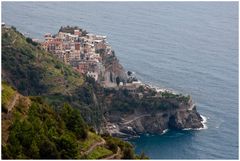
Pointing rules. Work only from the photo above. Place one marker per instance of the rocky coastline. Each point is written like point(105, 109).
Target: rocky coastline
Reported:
point(133, 125)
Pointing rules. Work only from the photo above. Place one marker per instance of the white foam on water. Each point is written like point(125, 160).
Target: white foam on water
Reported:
point(165, 131)
point(185, 129)
point(204, 122)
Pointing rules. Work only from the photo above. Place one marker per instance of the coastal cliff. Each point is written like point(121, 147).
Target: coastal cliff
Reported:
point(113, 69)
point(153, 115)
point(159, 122)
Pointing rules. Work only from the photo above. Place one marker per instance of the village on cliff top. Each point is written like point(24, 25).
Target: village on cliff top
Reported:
point(85, 53)
point(91, 55)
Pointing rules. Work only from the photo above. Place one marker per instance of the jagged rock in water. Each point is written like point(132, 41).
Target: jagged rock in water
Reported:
point(188, 119)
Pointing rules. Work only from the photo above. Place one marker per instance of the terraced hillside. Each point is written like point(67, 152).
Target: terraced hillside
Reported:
point(31, 129)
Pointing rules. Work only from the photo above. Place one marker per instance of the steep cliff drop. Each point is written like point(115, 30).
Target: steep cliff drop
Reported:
point(183, 117)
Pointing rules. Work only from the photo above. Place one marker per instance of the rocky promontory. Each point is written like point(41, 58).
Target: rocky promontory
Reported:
point(154, 115)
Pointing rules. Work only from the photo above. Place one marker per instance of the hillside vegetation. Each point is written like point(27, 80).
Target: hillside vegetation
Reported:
point(34, 72)
point(34, 130)
point(38, 121)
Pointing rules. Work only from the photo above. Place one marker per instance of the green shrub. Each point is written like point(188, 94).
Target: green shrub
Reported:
point(74, 121)
point(7, 94)
point(58, 66)
point(112, 145)
point(128, 153)
point(68, 146)
point(30, 41)
point(48, 150)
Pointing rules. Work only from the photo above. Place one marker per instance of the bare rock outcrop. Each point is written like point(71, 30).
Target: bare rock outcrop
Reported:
point(183, 117)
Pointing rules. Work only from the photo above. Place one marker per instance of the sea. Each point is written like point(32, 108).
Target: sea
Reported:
point(188, 47)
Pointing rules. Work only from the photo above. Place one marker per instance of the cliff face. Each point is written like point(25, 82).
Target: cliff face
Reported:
point(155, 122)
point(113, 69)
point(185, 120)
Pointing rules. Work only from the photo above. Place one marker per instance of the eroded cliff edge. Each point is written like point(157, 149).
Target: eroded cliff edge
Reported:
point(129, 115)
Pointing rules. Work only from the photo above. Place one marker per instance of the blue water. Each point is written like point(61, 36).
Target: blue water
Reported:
point(191, 47)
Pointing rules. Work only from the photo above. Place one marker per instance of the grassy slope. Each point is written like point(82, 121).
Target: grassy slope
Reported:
point(34, 71)
point(92, 138)
point(8, 94)
point(99, 152)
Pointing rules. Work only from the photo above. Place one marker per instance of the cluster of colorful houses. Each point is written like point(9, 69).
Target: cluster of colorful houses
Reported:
point(81, 51)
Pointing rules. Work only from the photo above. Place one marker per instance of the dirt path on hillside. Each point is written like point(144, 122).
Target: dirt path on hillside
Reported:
point(136, 118)
point(95, 145)
point(113, 156)
point(13, 102)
